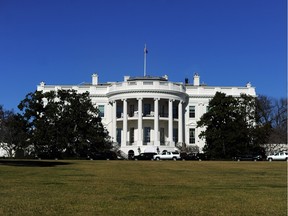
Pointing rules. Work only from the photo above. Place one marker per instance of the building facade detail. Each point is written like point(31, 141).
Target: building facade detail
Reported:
point(151, 113)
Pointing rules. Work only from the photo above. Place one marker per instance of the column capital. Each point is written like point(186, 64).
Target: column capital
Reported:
point(124, 99)
point(140, 98)
point(156, 98)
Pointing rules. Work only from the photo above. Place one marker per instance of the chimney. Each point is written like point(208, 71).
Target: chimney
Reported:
point(94, 79)
point(186, 81)
point(196, 79)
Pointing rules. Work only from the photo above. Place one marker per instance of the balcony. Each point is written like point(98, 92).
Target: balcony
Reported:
point(145, 115)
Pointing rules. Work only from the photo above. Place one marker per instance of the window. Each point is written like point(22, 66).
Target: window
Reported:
point(192, 136)
point(101, 110)
point(175, 135)
point(131, 110)
point(162, 112)
point(131, 135)
point(175, 111)
point(118, 135)
point(147, 134)
point(162, 137)
point(119, 111)
point(191, 111)
point(147, 109)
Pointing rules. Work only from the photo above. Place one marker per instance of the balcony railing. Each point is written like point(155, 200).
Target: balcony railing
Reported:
point(146, 85)
point(148, 143)
point(164, 143)
point(151, 114)
point(164, 115)
point(131, 143)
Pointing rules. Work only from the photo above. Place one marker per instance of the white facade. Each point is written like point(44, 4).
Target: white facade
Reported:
point(151, 113)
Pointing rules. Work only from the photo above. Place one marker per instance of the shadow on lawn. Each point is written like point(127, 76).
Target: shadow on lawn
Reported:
point(32, 163)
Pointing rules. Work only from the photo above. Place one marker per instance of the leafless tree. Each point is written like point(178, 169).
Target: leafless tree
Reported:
point(274, 112)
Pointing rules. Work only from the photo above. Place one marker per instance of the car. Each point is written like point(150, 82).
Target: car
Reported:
point(167, 155)
point(248, 157)
point(144, 156)
point(189, 156)
point(278, 156)
point(194, 156)
point(203, 156)
point(106, 155)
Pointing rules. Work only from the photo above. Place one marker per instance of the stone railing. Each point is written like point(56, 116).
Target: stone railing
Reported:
point(146, 85)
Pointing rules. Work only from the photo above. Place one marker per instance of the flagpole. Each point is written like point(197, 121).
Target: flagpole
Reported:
point(145, 52)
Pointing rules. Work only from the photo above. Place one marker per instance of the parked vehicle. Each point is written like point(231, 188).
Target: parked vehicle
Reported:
point(107, 155)
point(248, 157)
point(145, 156)
point(194, 156)
point(203, 156)
point(278, 156)
point(167, 156)
point(189, 156)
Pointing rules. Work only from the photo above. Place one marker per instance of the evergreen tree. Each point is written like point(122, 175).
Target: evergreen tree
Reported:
point(63, 123)
point(231, 126)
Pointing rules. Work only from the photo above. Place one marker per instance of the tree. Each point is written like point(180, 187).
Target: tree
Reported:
point(230, 126)
point(279, 122)
point(13, 136)
point(63, 123)
point(273, 112)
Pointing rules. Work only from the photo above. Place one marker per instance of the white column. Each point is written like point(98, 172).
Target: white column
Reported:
point(170, 122)
point(180, 122)
point(114, 121)
point(156, 122)
point(124, 122)
point(140, 137)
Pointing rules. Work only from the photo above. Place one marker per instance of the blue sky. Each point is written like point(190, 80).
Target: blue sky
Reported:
point(228, 42)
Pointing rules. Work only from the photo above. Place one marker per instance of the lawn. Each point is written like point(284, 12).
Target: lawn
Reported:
point(142, 188)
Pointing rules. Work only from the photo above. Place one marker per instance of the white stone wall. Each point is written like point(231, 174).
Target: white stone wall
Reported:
point(192, 95)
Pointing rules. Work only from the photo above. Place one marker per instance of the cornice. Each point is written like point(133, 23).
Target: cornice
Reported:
point(98, 95)
point(209, 96)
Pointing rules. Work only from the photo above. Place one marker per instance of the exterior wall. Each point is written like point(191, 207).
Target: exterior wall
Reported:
point(125, 107)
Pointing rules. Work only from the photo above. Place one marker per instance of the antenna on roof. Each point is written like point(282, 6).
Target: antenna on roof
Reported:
point(145, 53)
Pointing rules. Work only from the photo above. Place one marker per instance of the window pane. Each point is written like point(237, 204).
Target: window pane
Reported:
point(119, 111)
point(101, 110)
point(175, 135)
point(191, 111)
point(147, 134)
point(175, 111)
point(162, 136)
point(147, 109)
point(131, 135)
point(191, 135)
point(118, 136)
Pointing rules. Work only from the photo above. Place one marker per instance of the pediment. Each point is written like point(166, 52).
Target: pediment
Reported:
point(191, 124)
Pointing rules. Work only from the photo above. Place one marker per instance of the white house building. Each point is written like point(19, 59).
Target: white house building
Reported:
point(151, 113)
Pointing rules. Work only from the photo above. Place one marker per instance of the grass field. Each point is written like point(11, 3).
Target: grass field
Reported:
point(142, 188)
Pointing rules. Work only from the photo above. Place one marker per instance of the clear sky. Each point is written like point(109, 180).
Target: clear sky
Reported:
point(228, 42)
